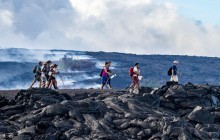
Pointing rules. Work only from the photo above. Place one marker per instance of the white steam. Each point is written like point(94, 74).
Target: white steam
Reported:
point(27, 55)
point(131, 26)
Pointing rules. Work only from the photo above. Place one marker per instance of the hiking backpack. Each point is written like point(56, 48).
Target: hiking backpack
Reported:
point(169, 72)
point(101, 73)
point(35, 69)
point(131, 71)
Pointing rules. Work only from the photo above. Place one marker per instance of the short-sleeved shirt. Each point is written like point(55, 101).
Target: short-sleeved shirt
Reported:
point(135, 70)
point(174, 68)
point(104, 73)
point(38, 72)
point(43, 71)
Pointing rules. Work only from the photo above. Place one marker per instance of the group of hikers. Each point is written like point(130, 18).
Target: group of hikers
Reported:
point(135, 75)
point(45, 74)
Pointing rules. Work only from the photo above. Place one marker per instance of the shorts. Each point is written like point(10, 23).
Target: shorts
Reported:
point(47, 76)
point(105, 79)
point(52, 78)
point(174, 78)
point(135, 79)
point(37, 78)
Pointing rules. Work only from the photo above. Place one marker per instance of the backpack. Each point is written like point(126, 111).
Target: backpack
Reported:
point(101, 73)
point(35, 69)
point(169, 72)
point(131, 71)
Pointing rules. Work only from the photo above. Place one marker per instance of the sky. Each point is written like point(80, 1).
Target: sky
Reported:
point(176, 27)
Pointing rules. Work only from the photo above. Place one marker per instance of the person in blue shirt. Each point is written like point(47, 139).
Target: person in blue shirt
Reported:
point(174, 75)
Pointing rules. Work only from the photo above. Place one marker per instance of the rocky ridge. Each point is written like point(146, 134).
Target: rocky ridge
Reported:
point(182, 112)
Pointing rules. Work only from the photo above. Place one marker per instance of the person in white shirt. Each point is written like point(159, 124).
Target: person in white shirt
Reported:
point(43, 75)
point(135, 80)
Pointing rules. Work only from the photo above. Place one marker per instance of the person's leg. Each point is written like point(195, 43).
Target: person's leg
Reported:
point(32, 84)
point(40, 84)
point(104, 80)
point(175, 78)
point(43, 84)
point(109, 83)
point(55, 84)
point(171, 78)
point(48, 82)
point(132, 84)
point(136, 86)
point(51, 83)
point(34, 81)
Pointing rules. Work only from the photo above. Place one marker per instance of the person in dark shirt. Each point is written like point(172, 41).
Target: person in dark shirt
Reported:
point(37, 75)
point(174, 75)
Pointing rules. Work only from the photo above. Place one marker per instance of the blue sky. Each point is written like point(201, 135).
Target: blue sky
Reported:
point(203, 10)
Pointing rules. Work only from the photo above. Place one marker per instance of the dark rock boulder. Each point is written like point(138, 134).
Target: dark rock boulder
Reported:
point(201, 116)
point(170, 112)
point(56, 109)
point(3, 101)
point(176, 91)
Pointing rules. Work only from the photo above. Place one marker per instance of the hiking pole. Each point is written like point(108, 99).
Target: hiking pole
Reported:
point(110, 77)
point(62, 80)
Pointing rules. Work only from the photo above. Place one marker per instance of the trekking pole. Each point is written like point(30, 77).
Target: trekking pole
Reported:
point(110, 77)
point(62, 80)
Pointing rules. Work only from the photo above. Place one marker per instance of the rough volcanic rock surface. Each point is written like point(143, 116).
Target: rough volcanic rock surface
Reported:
point(170, 112)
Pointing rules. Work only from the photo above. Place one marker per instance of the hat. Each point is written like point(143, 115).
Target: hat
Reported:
point(49, 61)
point(175, 62)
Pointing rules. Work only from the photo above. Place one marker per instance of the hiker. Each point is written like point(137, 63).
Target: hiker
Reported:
point(134, 73)
point(106, 73)
point(174, 74)
point(37, 74)
point(47, 73)
point(52, 74)
point(43, 75)
point(109, 76)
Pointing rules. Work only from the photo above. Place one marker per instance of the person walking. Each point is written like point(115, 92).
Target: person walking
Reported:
point(53, 72)
point(49, 63)
point(106, 74)
point(134, 73)
point(43, 75)
point(174, 74)
point(37, 74)
point(109, 76)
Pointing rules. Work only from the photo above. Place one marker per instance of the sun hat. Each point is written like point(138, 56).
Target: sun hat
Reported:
point(175, 62)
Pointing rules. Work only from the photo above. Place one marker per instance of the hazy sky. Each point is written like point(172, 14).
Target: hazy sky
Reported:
point(186, 27)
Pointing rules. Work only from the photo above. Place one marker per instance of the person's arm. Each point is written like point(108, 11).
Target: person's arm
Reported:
point(172, 72)
point(55, 71)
